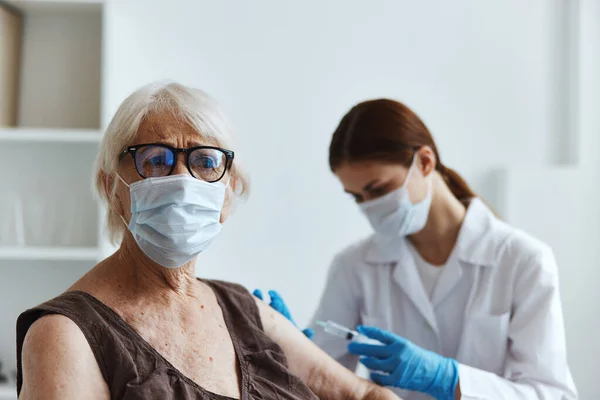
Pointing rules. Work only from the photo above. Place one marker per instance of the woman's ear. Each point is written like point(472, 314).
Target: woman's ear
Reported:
point(427, 160)
point(107, 183)
point(113, 198)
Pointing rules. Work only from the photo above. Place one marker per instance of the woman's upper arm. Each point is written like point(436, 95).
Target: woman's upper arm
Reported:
point(58, 363)
point(341, 303)
point(323, 375)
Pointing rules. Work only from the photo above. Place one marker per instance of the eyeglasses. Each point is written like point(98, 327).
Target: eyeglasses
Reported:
point(156, 159)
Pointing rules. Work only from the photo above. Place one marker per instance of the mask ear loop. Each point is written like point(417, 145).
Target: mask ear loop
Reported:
point(429, 181)
point(410, 172)
point(411, 169)
point(228, 187)
point(232, 197)
point(123, 180)
point(128, 186)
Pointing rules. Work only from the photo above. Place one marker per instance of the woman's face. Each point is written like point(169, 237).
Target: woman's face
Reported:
point(166, 129)
point(368, 180)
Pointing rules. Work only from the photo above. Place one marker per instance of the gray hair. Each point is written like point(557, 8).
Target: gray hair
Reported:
point(193, 106)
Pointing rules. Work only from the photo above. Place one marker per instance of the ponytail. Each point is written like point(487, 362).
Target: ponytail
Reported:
point(458, 186)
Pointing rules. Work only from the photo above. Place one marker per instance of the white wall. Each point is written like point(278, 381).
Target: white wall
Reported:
point(558, 203)
point(488, 78)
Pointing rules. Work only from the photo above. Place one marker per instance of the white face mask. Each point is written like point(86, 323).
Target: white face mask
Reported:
point(394, 214)
point(174, 218)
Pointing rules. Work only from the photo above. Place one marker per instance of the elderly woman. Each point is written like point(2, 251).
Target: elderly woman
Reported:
point(140, 325)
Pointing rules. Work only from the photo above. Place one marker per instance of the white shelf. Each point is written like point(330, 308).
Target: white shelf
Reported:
point(50, 135)
point(50, 253)
point(8, 392)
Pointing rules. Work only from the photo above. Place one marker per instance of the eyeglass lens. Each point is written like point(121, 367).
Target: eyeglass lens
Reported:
point(206, 164)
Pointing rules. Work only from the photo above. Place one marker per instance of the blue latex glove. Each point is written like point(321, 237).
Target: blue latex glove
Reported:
point(279, 305)
point(407, 365)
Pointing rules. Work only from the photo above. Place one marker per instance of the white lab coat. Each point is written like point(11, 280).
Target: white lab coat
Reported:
point(499, 292)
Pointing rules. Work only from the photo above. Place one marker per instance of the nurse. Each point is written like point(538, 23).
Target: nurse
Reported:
point(465, 306)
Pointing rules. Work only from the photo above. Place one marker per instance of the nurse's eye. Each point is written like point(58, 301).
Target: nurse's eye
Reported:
point(378, 191)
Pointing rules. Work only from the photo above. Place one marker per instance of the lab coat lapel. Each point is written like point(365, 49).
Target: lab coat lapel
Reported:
point(407, 277)
point(447, 280)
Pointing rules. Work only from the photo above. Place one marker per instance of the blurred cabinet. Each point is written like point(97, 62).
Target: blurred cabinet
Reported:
point(50, 97)
point(52, 55)
point(11, 25)
point(51, 59)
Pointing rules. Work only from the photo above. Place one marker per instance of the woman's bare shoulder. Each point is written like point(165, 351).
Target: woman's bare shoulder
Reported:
point(58, 363)
point(55, 330)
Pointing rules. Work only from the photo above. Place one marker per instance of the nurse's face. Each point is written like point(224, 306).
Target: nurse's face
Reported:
point(368, 180)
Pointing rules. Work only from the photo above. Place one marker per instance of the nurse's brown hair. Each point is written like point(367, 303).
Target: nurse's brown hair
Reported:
point(388, 131)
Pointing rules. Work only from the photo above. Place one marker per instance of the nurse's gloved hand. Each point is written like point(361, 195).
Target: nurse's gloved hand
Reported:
point(406, 365)
point(279, 305)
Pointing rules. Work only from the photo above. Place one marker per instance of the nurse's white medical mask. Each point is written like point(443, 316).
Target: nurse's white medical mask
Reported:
point(394, 214)
point(174, 218)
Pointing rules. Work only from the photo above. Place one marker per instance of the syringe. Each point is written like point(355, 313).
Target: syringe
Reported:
point(344, 333)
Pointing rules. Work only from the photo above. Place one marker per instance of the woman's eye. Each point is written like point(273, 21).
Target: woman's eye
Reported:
point(155, 161)
point(207, 162)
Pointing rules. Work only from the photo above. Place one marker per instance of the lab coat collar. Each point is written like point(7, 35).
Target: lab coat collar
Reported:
point(475, 244)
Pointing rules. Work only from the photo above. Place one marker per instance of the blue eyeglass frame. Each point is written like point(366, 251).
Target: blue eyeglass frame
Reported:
point(229, 155)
